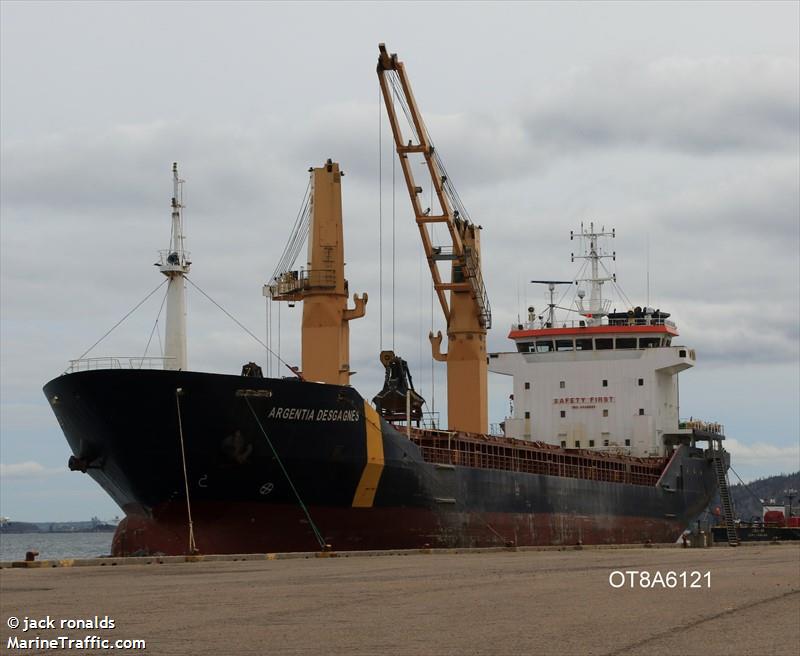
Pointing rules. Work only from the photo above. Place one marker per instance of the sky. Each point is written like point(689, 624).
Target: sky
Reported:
point(678, 124)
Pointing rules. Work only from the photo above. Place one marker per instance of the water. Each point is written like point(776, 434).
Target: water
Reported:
point(55, 545)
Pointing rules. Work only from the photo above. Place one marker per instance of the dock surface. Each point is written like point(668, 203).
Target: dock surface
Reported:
point(525, 602)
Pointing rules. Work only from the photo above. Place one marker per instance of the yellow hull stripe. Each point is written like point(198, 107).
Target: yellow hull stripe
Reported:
point(371, 476)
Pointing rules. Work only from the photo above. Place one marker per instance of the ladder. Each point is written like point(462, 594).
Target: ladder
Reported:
point(721, 471)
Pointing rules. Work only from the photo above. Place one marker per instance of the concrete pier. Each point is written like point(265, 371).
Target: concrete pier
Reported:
point(525, 602)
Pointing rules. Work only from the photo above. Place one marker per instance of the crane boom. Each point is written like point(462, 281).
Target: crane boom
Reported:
point(467, 311)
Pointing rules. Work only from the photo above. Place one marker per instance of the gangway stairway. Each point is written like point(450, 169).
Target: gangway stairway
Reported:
point(721, 470)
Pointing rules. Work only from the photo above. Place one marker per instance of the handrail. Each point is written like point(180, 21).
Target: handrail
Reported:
point(117, 362)
point(582, 323)
point(292, 282)
point(698, 424)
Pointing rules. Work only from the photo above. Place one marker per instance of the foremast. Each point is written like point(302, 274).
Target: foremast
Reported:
point(174, 264)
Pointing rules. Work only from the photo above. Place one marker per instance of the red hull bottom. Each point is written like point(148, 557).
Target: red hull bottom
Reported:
point(256, 528)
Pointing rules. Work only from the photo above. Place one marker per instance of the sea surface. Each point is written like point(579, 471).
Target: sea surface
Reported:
point(55, 545)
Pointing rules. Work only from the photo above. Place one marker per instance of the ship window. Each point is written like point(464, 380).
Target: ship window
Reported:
point(605, 442)
point(626, 342)
point(605, 412)
point(583, 344)
point(641, 382)
point(591, 442)
point(577, 444)
point(563, 413)
point(627, 442)
point(564, 345)
point(668, 341)
point(604, 343)
point(649, 342)
point(544, 346)
point(527, 385)
point(563, 444)
point(562, 384)
point(641, 411)
point(527, 415)
point(682, 353)
point(524, 347)
point(605, 383)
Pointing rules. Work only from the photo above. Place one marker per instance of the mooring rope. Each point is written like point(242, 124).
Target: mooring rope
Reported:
point(192, 544)
point(314, 528)
point(745, 485)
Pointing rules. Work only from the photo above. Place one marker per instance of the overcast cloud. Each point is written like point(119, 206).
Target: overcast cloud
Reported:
point(675, 124)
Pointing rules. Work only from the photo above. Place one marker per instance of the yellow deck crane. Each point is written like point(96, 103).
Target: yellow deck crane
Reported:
point(321, 286)
point(467, 311)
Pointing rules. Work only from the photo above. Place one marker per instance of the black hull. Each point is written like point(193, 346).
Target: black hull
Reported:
point(123, 426)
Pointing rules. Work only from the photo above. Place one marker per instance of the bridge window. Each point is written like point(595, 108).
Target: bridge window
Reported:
point(563, 414)
point(527, 385)
point(524, 347)
point(649, 342)
point(626, 342)
point(605, 442)
point(583, 344)
point(562, 384)
point(577, 444)
point(627, 442)
point(641, 382)
point(544, 346)
point(527, 415)
point(641, 412)
point(604, 343)
point(564, 345)
point(563, 444)
point(605, 383)
point(591, 442)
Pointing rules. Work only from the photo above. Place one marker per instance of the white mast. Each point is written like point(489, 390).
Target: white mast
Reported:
point(597, 308)
point(175, 264)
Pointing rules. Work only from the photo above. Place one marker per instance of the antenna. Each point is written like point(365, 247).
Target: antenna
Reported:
point(551, 306)
point(648, 269)
point(598, 307)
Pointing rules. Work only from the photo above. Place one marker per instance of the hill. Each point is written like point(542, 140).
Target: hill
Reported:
point(746, 498)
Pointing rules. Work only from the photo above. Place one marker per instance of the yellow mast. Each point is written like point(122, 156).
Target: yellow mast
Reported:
point(322, 286)
point(467, 310)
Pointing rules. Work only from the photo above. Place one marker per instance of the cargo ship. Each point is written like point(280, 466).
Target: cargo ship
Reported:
point(593, 452)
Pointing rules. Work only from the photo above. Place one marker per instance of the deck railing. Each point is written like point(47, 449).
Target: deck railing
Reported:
point(117, 362)
point(698, 424)
point(459, 449)
point(583, 323)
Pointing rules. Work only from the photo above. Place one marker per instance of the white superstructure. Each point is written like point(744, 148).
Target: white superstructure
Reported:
point(604, 381)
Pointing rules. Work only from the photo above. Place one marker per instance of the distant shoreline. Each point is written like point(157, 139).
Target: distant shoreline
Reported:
point(45, 528)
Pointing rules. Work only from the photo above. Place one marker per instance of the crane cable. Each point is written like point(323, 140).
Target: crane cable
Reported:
point(380, 225)
point(243, 327)
point(394, 231)
point(297, 236)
